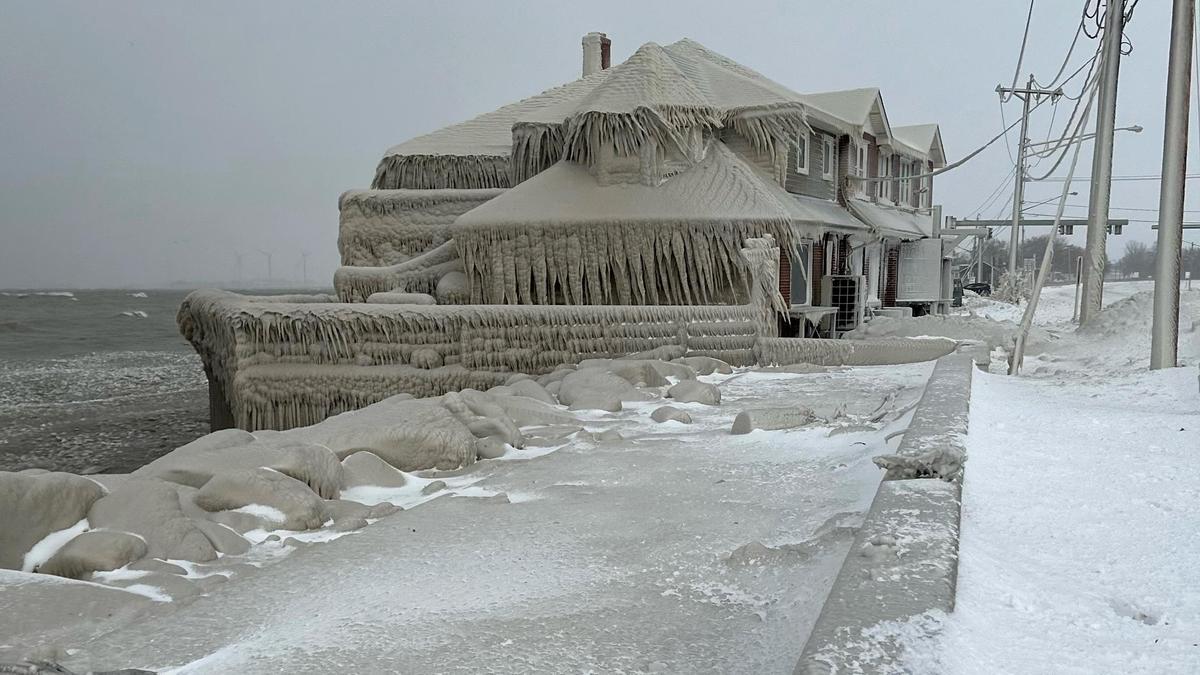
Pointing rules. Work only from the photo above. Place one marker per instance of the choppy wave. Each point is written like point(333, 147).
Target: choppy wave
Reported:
point(15, 326)
point(50, 294)
point(136, 313)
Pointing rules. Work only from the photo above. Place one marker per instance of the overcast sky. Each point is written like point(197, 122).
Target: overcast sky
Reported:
point(147, 142)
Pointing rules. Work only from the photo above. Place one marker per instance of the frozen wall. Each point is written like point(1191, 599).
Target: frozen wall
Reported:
point(285, 364)
point(385, 227)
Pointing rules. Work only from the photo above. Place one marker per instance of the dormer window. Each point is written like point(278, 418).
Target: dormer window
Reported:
point(827, 159)
point(802, 153)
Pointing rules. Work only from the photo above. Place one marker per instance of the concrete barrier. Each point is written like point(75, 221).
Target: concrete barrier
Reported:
point(904, 560)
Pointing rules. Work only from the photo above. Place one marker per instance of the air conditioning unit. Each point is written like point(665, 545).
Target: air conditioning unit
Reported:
point(849, 294)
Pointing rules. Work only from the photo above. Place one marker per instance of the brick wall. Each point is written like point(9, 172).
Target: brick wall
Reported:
point(891, 277)
point(785, 277)
point(818, 270)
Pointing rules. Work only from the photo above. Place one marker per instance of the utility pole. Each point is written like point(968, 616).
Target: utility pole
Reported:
point(1164, 343)
point(1102, 157)
point(1027, 95)
point(978, 258)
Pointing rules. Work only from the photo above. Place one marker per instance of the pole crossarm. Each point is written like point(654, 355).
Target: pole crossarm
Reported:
point(968, 231)
point(1047, 222)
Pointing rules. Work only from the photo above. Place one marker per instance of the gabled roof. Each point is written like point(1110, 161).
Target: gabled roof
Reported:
point(657, 94)
point(475, 153)
point(721, 188)
point(926, 138)
point(860, 107)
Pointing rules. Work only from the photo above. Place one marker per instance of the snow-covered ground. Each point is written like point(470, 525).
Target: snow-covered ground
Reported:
point(1079, 542)
point(680, 548)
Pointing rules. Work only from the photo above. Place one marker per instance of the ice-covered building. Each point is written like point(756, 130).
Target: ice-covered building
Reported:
point(677, 202)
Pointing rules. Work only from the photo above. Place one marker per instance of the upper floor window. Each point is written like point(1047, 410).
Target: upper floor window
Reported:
point(905, 183)
point(828, 158)
point(802, 153)
point(860, 169)
point(884, 187)
point(915, 194)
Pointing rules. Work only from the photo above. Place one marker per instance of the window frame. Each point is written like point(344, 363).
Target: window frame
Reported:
point(862, 155)
point(828, 158)
point(884, 189)
point(923, 198)
point(803, 139)
point(803, 263)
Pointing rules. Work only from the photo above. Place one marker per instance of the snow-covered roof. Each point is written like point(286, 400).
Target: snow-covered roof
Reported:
point(893, 222)
point(720, 188)
point(860, 107)
point(661, 93)
point(927, 138)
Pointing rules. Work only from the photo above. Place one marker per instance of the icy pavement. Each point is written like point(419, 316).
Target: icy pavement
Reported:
point(681, 548)
point(1079, 541)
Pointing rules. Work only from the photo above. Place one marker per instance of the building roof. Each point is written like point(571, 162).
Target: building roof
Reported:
point(860, 107)
point(926, 138)
point(890, 221)
point(659, 93)
point(720, 188)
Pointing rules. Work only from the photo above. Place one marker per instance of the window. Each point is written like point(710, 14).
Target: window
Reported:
point(827, 159)
point(905, 183)
point(914, 184)
point(884, 190)
point(860, 170)
point(802, 153)
point(801, 283)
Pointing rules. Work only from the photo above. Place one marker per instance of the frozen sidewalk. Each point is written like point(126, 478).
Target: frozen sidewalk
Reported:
point(1080, 529)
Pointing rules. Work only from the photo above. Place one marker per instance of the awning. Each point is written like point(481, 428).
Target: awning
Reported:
point(821, 212)
point(893, 222)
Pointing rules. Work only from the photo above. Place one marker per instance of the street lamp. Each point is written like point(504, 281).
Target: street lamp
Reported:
point(1135, 128)
point(1033, 206)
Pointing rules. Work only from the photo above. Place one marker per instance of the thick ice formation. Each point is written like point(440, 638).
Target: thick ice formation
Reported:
point(239, 491)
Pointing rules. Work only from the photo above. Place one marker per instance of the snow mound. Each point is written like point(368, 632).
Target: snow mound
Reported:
point(972, 327)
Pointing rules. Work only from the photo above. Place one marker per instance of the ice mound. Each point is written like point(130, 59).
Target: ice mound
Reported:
point(971, 327)
point(233, 498)
point(34, 505)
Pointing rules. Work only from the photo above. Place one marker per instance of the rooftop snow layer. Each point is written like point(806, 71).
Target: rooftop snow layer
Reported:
point(722, 187)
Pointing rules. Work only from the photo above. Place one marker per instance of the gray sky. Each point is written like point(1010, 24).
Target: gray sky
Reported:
point(143, 142)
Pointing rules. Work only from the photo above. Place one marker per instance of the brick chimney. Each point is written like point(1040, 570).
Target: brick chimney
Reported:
point(597, 50)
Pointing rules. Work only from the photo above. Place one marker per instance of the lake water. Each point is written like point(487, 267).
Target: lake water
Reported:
point(95, 380)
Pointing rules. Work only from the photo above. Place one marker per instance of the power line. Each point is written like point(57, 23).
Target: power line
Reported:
point(1067, 59)
point(1057, 179)
point(949, 167)
point(1084, 216)
point(1130, 208)
point(995, 192)
point(1021, 56)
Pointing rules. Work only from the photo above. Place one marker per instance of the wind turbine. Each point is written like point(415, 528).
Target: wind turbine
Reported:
point(268, 256)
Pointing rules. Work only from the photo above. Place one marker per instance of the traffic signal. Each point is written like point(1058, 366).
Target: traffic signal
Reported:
point(1113, 229)
point(1064, 229)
